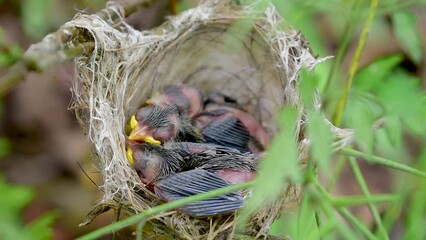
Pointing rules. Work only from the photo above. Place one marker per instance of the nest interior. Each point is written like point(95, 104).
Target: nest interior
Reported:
point(216, 60)
point(219, 47)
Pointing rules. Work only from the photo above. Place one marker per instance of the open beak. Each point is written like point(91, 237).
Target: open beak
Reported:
point(138, 134)
point(129, 155)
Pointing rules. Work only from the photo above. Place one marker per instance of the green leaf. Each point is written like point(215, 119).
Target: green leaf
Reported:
point(278, 167)
point(404, 27)
point(393, 128)
point(10, 55)
point(414, 222)
point(360, 117)
point(39, 229)
point(299, 224)
point(35, 17)
point(401, 96)
point(307, 226)
point(321, 139)
point(371, 76)
point(14, 199)
point(307, 88)
point(415, 207)
point(17, 198)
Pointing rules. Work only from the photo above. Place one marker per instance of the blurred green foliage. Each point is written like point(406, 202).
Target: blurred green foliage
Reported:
point(277, 168)
point(14, 199)
point(35, 17)
point(405, 28)
point(386, 106)
point(9, 53)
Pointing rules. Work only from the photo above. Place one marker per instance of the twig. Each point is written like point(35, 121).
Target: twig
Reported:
point(60, 46)
point(337, 117)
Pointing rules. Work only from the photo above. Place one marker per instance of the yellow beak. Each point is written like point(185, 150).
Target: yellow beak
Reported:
point(129, 155)
point(148, 102)
point(133, 122)
point(138, 134)
point(151, 140)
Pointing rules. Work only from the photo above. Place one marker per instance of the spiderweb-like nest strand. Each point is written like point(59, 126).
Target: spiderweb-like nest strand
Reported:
point(216, 46)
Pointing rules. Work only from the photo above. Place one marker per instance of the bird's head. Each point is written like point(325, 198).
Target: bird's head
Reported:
point(146, 161)
point(154, 124)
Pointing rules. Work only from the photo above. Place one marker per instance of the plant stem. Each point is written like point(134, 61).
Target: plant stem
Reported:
point(139, 228)
point(337, 117)
point(343, 45)
point(361, 199)
point(162, 208)
point(356, 223)
point(383, 161)
point(327, 208)
point(354, 200)
point(336, 173)
point(373, 209)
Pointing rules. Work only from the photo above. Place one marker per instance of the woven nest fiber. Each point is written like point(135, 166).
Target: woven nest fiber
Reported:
point(217, 46)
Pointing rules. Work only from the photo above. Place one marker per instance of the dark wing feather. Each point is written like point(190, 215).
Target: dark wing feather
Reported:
point(229, 132)
point(184, 184)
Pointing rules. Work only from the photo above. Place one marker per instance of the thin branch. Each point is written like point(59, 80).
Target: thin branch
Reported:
point(60, 46)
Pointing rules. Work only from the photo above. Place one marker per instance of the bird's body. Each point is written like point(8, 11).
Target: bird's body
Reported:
point(180, 169)
point(223, 122)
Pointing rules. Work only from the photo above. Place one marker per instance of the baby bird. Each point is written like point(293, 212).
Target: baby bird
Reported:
point(188, 99)
point(223, 122)
point(178, 170)
point(158, 124)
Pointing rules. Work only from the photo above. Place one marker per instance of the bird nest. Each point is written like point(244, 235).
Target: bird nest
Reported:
point(218, 46)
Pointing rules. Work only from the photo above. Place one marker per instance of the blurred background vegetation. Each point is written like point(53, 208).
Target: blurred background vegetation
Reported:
point(45, 194)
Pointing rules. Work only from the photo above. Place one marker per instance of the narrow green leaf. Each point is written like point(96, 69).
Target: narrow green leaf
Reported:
point(307, 226)
point(321, 139)
point(405, 29)
point(414, 221)
point(39, 229)
point(17, 198)
point(371, 76)
point(415, 206)
point(307, 88)
point(359, 116)
point(278, 167)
